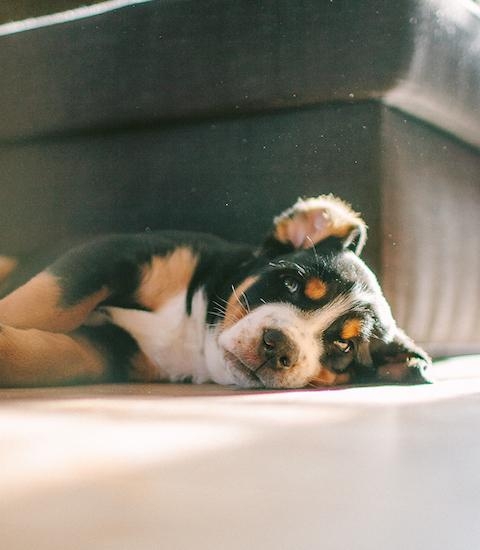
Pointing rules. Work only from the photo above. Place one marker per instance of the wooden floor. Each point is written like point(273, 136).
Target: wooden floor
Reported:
point(204, 467)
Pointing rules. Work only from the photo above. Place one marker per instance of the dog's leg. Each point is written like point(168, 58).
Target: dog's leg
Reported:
point(38, 358)
point(397, 361)
point(31, 357)
point(127, 270)
point(39, 304)
point(44, 337)
point(60, 298)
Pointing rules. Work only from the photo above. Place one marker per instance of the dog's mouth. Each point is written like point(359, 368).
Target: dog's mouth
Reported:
point(247, 374)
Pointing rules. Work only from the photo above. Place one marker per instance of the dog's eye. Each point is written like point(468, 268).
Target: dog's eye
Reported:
point(343, 345)
point(291, 284)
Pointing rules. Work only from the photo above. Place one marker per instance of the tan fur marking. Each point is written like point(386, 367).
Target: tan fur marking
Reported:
point(142, 369)
point(37, 304)
point(37, 358)
point(7, 265)
point(166, 276)
point(352, 328)
point(235, 310)
point(328, 378)
point(315, 289)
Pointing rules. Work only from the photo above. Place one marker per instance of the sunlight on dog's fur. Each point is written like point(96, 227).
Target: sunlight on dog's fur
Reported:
point(301, 309)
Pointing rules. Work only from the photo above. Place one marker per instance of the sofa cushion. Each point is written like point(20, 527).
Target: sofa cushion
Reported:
point(137, 63)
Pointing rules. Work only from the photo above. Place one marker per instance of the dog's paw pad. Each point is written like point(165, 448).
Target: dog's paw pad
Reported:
point(310, 221)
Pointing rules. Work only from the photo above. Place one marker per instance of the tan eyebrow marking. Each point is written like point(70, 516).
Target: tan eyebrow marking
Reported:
point(315, 289)
point(352, 328)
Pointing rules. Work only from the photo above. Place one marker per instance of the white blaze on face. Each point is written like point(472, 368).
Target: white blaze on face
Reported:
point(243, 340)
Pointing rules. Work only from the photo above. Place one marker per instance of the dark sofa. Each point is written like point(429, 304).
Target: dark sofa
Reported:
point(215, 115)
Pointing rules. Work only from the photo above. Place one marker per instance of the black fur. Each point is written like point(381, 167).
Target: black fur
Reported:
point(117, 346)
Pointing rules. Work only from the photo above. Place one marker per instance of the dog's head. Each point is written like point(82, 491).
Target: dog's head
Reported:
point(310, 312)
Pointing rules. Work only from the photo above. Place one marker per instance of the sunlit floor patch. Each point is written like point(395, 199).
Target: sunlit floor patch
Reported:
point(46, 444)
point(455, 368)
point(59, 437)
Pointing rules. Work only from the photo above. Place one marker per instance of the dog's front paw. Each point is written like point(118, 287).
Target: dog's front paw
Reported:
point(405, 370)
point(398, 360)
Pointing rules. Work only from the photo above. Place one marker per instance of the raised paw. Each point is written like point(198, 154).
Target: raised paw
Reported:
point(310, 221)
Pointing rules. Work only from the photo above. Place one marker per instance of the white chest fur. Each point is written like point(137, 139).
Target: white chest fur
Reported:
point(173, 340)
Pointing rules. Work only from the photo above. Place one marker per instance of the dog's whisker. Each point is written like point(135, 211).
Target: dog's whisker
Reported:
point(221, 300)
point(221, 310)
point(216, 314)
point(231, 319)
point(317, 261)
point(227, 318)
point(218, 308)
point(219, 305)
point(238, 299)
point(246, 302)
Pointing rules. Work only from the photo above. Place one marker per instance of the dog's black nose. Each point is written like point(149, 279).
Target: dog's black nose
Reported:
point(277, 347)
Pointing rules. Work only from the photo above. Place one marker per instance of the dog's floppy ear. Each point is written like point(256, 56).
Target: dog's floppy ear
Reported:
point(398, 360)
point(310, 221)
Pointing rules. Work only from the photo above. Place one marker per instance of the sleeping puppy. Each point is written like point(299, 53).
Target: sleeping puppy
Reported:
point(302, 309)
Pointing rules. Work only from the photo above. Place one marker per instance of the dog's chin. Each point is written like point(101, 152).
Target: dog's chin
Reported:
point(242, 375)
